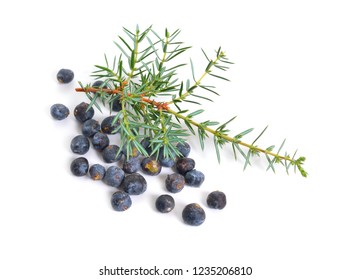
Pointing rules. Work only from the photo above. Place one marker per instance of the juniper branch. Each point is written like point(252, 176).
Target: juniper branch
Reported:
point(142, 115)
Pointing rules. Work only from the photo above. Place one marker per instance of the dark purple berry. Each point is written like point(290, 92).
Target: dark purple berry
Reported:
point(114, 176)
point(130, 151)
point(131, 165)
point(100, 141)
point(216, 200)
point(193, 214)
point(59, 111)
point(109, 125)
point(98, 84)
point(165, 161)
point(194, 178)
point(65, 76)
point(82, 113)
point(121, 201)
point(165, 203)
point(97, 172)
point(175, 182)
point(151, 166)
point(80, 166)
point(146, 145)
point(184, 148)
point(110, 154)
point(90, 127)
point(184, 165)
point(116, 104)
point(134, 184)
point(80, 145)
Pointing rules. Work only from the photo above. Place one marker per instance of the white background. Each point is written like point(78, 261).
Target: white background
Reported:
point(291, 72)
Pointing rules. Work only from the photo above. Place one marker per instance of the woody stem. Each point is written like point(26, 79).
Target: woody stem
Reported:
point(159, 105)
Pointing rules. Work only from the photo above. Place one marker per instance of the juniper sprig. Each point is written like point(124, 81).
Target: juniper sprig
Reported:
point(146, 70)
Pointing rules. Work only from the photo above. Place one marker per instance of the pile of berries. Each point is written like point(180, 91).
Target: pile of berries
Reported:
point(124, 175)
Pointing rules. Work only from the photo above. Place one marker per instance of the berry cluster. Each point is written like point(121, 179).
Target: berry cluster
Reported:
point(125, 174)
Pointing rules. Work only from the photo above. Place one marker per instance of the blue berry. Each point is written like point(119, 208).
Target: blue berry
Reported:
point(65, 76)
point(98, 84)
point(116, 104)
point(97, 172)
point(59, 111)
point(194, 178)
point(131, 165)
point(121, 201)
point(82, 113)
point(90, 127)
point(114, 176)
point(134, 184)
point(80, 166)
point(151, 166)
point(165, 203)
point(146, 143)
point(133, 151)
point(216, 200)
point(166, 162)
point(184, 148)
point(109, 154)
point(80, 145)
point(193, 214)
point(100, 141)
point(109, 125)
point(175, 182)
point(184, 165)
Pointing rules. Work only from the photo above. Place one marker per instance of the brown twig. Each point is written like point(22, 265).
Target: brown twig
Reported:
point(158, 105)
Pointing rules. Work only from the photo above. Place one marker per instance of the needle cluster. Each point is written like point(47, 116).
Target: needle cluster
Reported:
point(145, 73)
